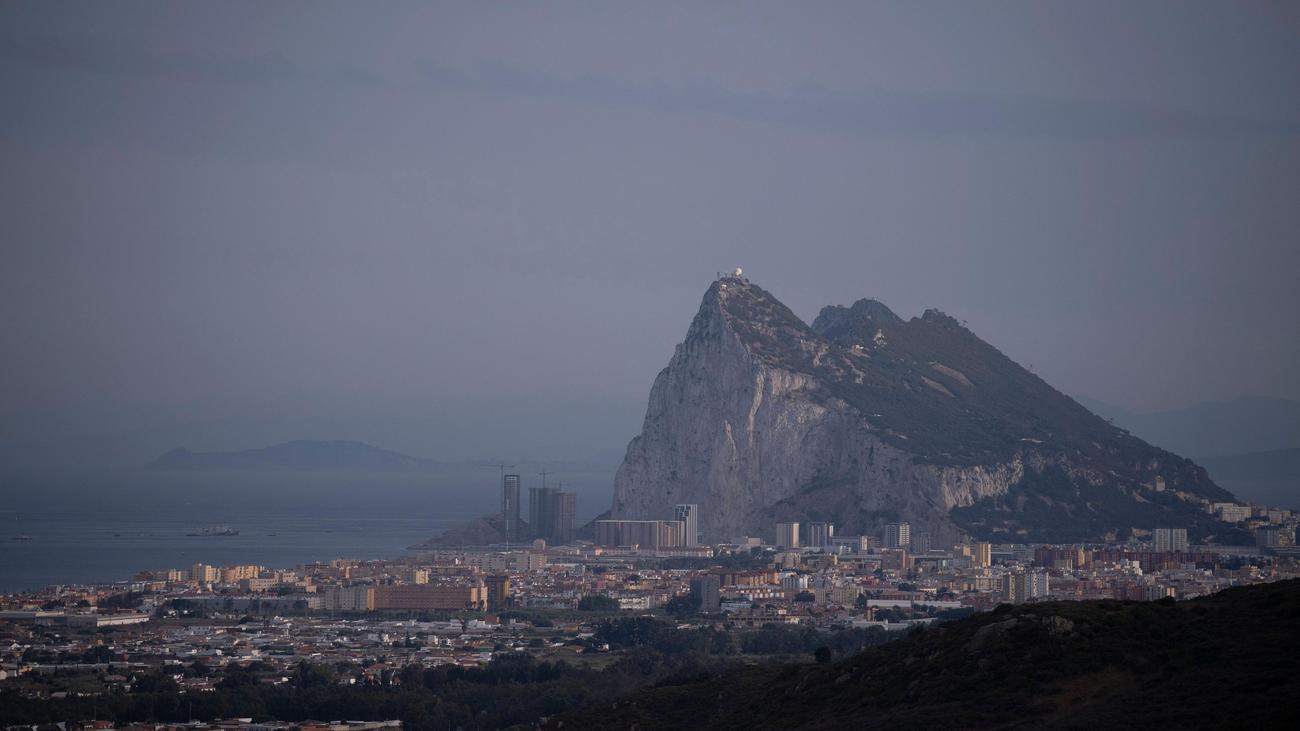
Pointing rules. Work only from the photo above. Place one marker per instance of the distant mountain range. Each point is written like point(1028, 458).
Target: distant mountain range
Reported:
point(1271, 478)
point(1249, 445)
point(297, 456)
point(1278, 464)
point(1244, 425)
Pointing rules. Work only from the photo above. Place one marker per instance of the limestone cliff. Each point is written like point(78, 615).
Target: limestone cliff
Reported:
point(864, 418)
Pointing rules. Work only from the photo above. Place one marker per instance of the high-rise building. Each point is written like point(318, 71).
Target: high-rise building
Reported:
point(787, 535)
point(894, 559)
point(510, 505)
point(498, 592)
point(650, 535)
point(707, 590)
point(1170, 540)
point(1268, 537)
point(897, 535)
point(818, 535)
point(430, 597)
point(689, 515)
point(981, 555)
point(1018, 588)
point(356, 598)
point(539, 510)
point(920, 542)
point(564, 516)
point(551, 513)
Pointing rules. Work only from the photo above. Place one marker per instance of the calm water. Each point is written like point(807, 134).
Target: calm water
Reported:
point(106, 530)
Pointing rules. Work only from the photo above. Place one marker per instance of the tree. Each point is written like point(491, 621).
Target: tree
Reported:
point(683, 605)
point(155, 682)
point(598, 603)
point(237, 677)
point(311, 675)
point(822, 654)
point(806, 597)
point(890, 614)
point(411, 676)
point(97, 654)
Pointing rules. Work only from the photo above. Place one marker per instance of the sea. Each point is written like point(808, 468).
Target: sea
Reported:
point(108, 528)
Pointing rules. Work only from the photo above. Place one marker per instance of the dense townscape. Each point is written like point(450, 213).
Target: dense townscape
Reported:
point(203, 630)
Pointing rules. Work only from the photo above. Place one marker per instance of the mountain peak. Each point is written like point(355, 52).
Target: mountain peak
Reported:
point(865, 418)
point(836, 320)
point(737, 306)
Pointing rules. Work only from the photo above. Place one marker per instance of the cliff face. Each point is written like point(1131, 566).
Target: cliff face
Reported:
point(760, 418)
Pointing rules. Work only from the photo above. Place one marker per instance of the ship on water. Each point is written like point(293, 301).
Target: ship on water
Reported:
point(216, 530)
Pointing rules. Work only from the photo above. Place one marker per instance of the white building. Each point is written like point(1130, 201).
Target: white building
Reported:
point(787, 535)
point(359, 598)
point(819, 534)
point(1025, 586)
point(851, 544)
point(689, 514)
point(897, 535)
point(794, 581)
point(1170, 540)
point(1231, 512)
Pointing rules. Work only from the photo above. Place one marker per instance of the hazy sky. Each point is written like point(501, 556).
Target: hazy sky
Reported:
point(470, 230)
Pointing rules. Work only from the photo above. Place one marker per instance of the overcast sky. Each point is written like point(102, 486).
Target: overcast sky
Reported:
point(474, 230)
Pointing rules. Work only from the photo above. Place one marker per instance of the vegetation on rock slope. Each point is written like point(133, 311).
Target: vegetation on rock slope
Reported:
point(933, 389)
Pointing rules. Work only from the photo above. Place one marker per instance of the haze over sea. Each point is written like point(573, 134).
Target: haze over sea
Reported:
point(108, 528)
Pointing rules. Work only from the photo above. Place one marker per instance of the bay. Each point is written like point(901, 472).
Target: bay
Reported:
point(107, 528)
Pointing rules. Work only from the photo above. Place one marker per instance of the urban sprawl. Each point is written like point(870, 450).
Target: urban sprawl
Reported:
point(543, 590)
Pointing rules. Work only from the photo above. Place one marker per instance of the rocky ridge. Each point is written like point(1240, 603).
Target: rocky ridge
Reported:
point(864, 418)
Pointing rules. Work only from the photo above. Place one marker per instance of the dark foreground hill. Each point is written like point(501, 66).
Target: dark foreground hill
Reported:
point(1226, 661)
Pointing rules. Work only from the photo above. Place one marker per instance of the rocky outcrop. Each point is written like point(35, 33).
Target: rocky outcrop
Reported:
point(487, 530)
point(759, 418)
